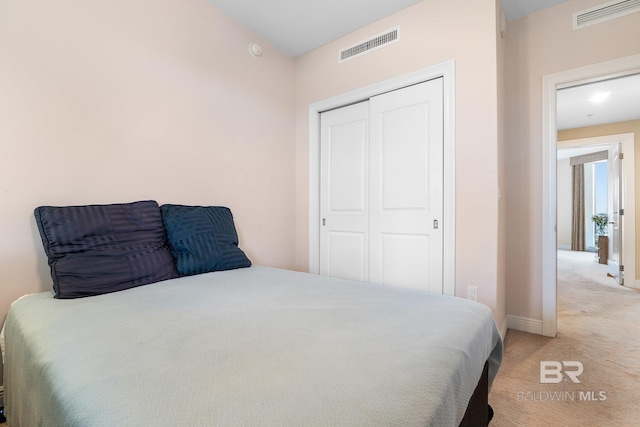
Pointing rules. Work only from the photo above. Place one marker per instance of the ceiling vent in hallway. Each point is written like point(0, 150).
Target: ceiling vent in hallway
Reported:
point(604, 12)
point(367, 46)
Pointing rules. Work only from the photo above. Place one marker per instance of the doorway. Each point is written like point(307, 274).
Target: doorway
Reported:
point(600, 181)
point(551, 84)
point(590, 200)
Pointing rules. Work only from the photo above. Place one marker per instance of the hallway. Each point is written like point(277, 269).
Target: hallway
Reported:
point(598, 326)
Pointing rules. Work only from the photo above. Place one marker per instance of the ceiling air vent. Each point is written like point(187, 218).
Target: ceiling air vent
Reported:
point(604, 12)
point(367, 46)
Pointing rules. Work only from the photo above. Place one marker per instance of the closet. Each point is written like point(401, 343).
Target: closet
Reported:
point(381, 189)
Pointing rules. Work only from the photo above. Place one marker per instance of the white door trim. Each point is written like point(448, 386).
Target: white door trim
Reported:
point(445, 70)
point(550, 84)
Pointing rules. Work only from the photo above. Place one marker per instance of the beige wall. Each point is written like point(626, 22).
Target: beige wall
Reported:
point(632, 126)
point(115, 101)
point(121, 95)
point(431, 32)
point(501, 287)
point(540, 44)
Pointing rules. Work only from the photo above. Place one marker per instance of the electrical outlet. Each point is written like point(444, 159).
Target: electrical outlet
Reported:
point(472, 293)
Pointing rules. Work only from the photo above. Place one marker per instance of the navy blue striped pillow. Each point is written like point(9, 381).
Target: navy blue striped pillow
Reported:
point(202, 239)
point(98, 249)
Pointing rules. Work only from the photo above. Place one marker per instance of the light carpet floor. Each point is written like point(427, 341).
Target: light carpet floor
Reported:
point(599, 326)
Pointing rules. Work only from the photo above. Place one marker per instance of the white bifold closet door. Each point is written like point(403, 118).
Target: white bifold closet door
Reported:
point(381, 189)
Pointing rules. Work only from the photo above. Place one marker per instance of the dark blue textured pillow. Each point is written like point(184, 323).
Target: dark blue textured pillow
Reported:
point(98, 249)
point(202, 239)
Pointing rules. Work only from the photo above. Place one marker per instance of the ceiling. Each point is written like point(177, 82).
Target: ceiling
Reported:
point(516, 9)
point(299, 26)
point(576, 110)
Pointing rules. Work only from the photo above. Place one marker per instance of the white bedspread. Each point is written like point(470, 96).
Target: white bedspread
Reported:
point(249, 347)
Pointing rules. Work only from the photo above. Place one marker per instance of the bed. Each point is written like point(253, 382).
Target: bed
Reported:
point(252, 346)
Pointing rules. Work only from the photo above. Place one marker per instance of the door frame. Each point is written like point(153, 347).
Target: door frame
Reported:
point(550, 84)
point(446, 70)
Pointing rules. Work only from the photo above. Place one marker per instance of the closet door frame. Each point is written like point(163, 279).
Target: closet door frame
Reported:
point(446, 70)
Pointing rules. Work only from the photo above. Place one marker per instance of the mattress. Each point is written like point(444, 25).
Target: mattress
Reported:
point(254, 346)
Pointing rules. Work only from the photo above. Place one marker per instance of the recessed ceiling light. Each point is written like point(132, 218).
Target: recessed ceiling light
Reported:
point(600, 96)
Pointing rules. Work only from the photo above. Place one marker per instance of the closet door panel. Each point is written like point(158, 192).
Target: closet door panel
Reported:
point(403, 153)
point(344, 192)
point(402, 260)
point(406, 187)
point(347, 255)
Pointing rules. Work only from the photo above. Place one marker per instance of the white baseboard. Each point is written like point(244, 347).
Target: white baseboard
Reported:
point(524, 324)
point(564, 247)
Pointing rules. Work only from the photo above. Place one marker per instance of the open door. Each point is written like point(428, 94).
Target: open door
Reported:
point(615, 214)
